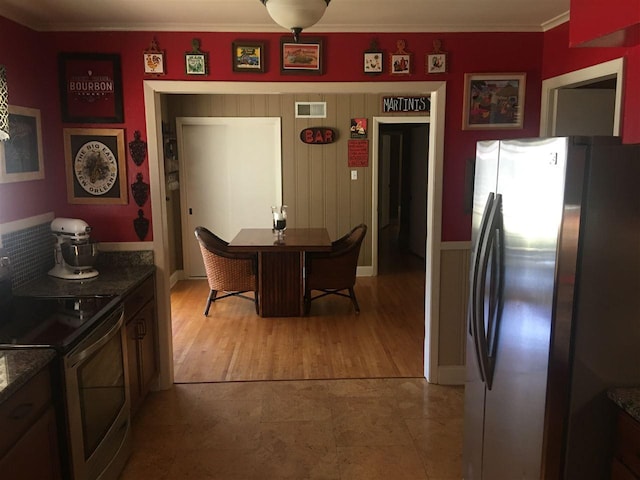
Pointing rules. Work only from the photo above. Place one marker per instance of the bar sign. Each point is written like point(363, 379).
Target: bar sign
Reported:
point(406, 104)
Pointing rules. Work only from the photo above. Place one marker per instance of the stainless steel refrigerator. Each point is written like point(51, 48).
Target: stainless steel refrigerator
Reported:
point(554, 310)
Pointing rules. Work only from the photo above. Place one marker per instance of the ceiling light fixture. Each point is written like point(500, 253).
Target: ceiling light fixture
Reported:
point(296, 15)
point(4, 105)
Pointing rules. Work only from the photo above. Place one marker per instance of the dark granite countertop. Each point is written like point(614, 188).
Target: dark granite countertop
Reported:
point(112, 280)
point(18, 366)
point(627, 398)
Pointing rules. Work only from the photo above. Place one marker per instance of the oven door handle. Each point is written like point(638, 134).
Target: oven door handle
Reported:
point(77, 357)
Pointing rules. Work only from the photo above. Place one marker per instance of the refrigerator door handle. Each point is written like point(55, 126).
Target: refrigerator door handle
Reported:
point(491, 260)
point(474, 300)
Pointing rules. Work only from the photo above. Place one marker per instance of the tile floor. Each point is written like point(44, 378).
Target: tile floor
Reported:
point(397, 428)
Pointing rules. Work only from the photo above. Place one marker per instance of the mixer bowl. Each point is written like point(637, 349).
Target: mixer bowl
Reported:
point(79, 254)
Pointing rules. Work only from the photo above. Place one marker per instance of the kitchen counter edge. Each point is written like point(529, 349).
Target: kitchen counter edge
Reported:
point(628, 399)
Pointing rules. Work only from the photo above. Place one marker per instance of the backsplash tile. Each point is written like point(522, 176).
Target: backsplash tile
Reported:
point(30, 252)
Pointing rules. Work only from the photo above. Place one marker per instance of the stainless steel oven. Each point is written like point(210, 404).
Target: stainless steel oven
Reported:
point(93, 402)
point(97, 401)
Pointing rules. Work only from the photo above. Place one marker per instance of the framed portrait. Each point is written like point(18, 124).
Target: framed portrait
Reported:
point(95, 165)
point(90, 87)
point(303, 57)
point(21, 156)
point(248, 57)
point(493, 101)
point(154, 60)
point(196, 61)
point(437, 63)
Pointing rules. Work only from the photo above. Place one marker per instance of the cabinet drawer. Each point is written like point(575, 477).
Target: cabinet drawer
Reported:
point(20, 410)
point(141, 295)
point(627, 448)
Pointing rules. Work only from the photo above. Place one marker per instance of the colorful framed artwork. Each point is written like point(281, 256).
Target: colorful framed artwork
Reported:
point(95, 165)
point(401, 60)
point(196, 61)
point(90, 87)
point(248, 57)
point(302, 57)
point(154, 60)
point(21, 155)
point(437, 63)
point(373, 61)
point(493, 101)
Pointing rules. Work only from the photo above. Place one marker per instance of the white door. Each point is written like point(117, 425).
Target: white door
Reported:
point(231, 175)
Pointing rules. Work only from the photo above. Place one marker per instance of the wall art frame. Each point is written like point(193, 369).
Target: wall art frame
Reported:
point(373, 59)
point(493, 101)
point(248, 56)
point(304, 57)
point(436, 61)
point(95, 165)
point(196, 62)
point(154, 60)
point(21, 157)
point(90, 87)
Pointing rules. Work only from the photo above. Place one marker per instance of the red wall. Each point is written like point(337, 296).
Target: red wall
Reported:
point(468, 52)
point(605, 22)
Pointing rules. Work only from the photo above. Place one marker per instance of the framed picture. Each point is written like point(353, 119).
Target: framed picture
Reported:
point(248, 57)
point(373, 59)
point(90, 87)
point(400, 63)
point(95, 164)
point(21, 156)
point(437, 63)
point(303, 57)
point(196, 61)
point(154, 61)
point(373, 62)
point(493, 101)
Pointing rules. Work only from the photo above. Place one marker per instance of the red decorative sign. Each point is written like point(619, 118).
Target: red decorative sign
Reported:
point(318, 135)
point(90, 88)
point(358, 153)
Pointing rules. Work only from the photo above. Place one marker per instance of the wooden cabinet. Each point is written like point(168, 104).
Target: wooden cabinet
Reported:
point(626, 461)
point(29, 440)
point(141, 325)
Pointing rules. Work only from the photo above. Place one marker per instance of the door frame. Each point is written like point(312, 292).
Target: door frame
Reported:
point(603, 71)
point(153, 89)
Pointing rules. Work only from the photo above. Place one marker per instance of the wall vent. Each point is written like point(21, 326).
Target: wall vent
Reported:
point(311, 109)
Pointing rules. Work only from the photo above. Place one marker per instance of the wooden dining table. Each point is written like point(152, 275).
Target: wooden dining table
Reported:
point(281, 265)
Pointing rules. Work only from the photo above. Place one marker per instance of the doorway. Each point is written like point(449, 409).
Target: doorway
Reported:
point(153, 90)
point(563, 97)
point(402, 186)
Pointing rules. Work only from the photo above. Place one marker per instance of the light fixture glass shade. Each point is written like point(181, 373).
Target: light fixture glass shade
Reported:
point(4, 105)
point(296, 15)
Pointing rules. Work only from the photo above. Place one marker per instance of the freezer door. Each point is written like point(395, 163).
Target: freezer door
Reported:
point(486, 171)
point(531, 182)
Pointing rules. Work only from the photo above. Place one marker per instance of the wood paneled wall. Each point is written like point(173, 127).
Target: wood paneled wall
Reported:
point(317, 184)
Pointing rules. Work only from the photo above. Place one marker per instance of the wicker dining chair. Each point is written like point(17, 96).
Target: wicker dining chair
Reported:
point(230, 272)
point(335, 271)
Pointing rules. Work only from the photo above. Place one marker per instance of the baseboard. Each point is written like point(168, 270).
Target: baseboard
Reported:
point(175, 277)
point(364, 271)
point(451, 375)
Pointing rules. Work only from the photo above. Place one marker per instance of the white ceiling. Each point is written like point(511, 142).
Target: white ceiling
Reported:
point(251, 15)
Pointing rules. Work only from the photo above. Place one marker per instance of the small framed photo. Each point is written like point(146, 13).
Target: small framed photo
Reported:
point(196, 61)
point(21, 156)
point(154, 60)
point(95, 165)
point(248, 56)
point(493, 101)
point(401, 60)
point(437, 63)
point(302, 57)
point(373, 62)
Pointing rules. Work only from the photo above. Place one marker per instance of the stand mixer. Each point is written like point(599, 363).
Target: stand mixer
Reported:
point(74, 251)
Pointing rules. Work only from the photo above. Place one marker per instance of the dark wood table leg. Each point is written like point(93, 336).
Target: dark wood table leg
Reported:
point(281, 284)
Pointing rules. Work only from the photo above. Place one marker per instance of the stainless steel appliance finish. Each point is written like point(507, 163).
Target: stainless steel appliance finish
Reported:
point(89, 336)
point(554, 305)
point(74, 252)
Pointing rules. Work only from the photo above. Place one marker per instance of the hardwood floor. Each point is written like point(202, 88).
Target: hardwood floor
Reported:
point(332, 342)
